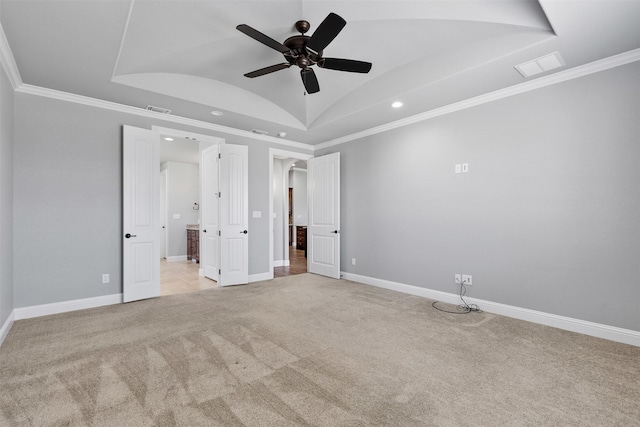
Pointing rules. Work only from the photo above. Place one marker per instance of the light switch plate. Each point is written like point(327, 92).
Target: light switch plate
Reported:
point(465, 167)
point(458, 168)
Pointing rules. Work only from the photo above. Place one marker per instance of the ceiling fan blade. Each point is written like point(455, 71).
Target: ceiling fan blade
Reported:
point(310, 80)
point(267, 70)
point(326, 32)
point(340, 64)
point(262, 38)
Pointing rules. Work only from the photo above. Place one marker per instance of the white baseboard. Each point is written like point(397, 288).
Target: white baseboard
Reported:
point(65, 306)
point(626, 336)
point(4, 330)
point(260, 277)
point(176, 258)
point(282, 263)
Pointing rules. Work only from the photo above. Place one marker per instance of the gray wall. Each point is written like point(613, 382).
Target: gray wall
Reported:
point(6, 197)
point(68, 198)
point(183, 190)
point(546, 219)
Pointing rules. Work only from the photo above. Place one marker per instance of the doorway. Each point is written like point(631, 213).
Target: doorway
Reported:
point(294, 173)
point(286, 259)
point(180, 166)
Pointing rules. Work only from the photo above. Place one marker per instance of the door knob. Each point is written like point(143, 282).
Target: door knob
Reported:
point(204, 231)
point(244, 232)
point(128, 235)
point(335, 231)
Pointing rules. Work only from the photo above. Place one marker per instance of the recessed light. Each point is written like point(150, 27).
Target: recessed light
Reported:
point(217, 113)
point(397, 104)
point(282, 134)
point(166, 138)
point(293, 165)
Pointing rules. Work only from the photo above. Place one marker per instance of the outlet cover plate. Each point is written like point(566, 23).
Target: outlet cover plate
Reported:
point(467, 279)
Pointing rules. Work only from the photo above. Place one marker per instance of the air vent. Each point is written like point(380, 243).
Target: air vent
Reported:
point(158, 109)
point(260, 132)
point(540, 65)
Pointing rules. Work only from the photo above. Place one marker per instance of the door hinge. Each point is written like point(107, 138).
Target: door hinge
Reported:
point(219, 155)
point(219, 271)
point(219, 233)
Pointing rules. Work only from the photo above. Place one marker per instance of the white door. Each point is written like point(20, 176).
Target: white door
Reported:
point(234, 210)
point(163, 214)
point(209, 240)
point(141, 215)
point(323, 232)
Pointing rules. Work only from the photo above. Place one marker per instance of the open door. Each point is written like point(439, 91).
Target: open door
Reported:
point(141, 215)
point(209, 238)
point(323, 232)
point(234, 215)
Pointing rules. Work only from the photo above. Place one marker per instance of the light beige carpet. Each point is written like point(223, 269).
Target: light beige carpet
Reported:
point(306, 350)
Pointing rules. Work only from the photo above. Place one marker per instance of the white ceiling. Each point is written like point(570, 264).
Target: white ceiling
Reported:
point(188, 57)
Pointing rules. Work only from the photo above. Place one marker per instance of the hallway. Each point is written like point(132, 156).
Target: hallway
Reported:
point(297, 261)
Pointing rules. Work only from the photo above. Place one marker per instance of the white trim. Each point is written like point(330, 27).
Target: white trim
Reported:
point(66, 306)
point(260, 277)
point(626, 336)
point(281, 263)
point(6, 327)
point(177, 258)
point(552, 79)
point(580, 71)
point(108, 105)
point(8, 61)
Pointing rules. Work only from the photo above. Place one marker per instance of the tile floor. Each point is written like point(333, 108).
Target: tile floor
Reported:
point(182, 276)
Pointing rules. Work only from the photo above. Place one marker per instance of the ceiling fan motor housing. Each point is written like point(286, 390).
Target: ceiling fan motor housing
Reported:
point(299, 55)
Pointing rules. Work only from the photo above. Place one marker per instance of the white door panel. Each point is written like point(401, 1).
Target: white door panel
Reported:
point(323, 239)
point(141, 215)
point(234, 218)
point(209, 239)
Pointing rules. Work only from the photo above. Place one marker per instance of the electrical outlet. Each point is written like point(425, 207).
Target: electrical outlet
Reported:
point(458, 278)
point(465, 167)
point(353, 261)
point(105, 278)
point(466, 279)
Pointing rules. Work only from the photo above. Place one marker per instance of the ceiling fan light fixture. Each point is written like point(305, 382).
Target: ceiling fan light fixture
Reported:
point(397, 104)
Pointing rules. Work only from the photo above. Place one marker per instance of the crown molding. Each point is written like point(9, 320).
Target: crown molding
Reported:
point(559, 77)
point(8, 61)
point(114, 106)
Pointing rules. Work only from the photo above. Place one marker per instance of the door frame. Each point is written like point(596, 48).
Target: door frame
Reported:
point(273, 152)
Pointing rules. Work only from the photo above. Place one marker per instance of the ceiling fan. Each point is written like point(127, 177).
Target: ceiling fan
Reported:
point(305, 51)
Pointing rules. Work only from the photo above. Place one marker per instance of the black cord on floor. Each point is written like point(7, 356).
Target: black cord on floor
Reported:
point(463, 308)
